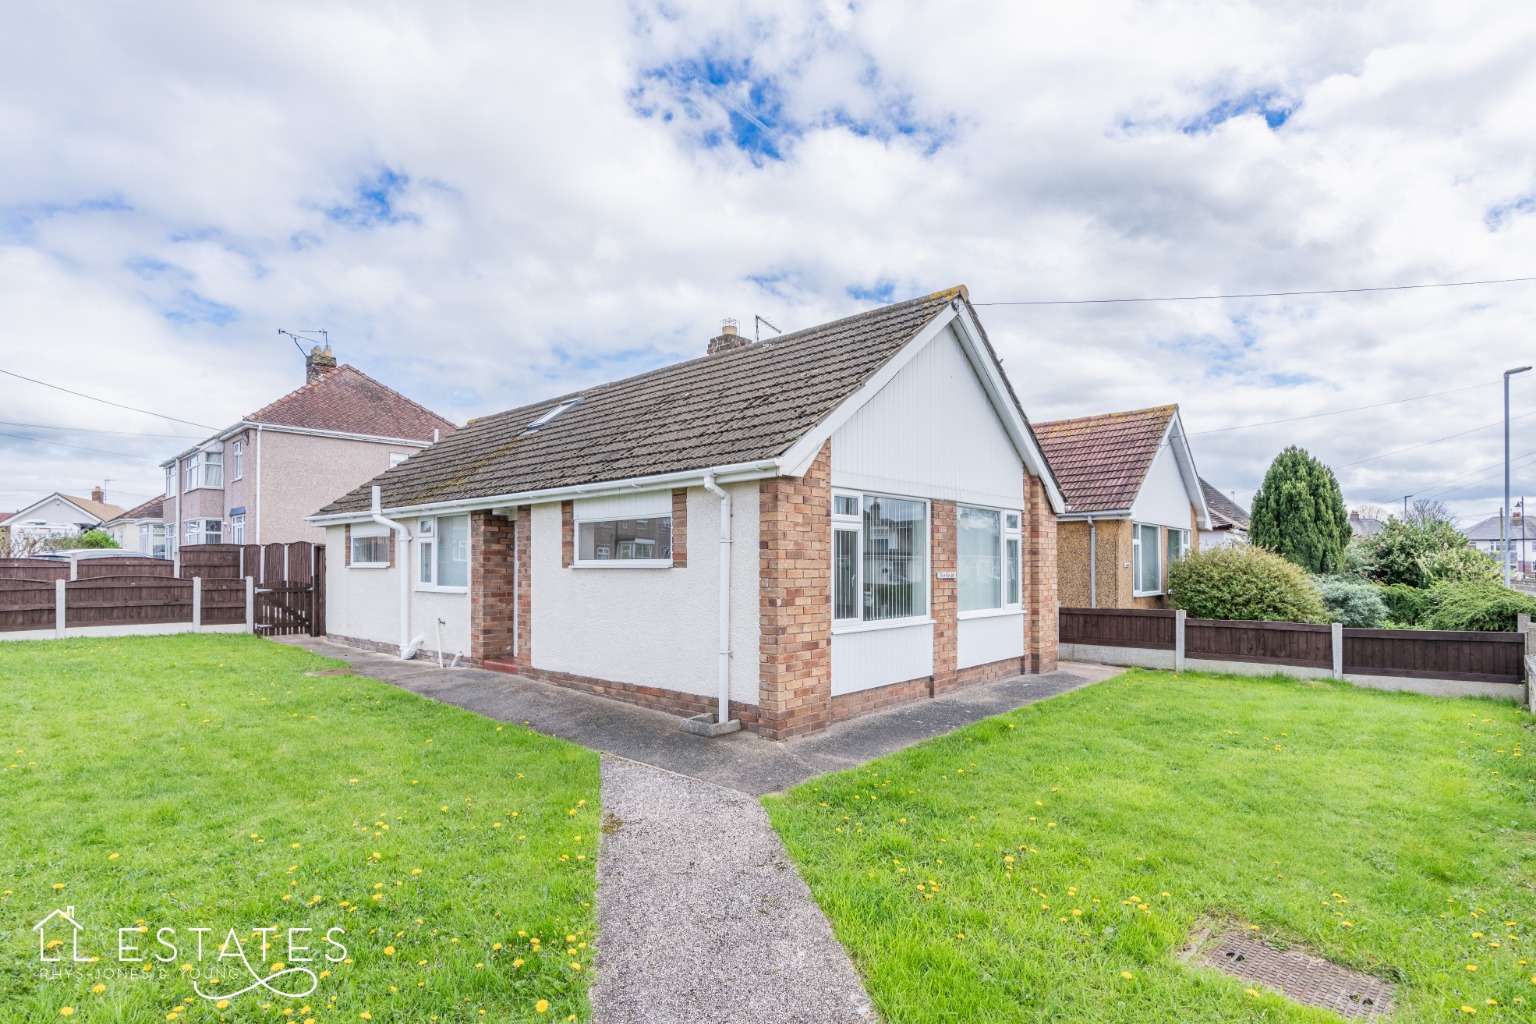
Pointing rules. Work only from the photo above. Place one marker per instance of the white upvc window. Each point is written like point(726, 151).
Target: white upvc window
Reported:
point(1146, 560)
point(213, 531)
point(194, 476)
point(987, 560)
point(442, 553)
point(370, 546)
point(193, 526)
point(213, 469)
point(237, 529)
point(237, 461)
point(635, 543)
point(170, 481)
point(1178, 544)
point(879, 559)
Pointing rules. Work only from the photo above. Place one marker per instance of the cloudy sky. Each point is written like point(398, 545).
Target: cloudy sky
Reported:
point(490, 204)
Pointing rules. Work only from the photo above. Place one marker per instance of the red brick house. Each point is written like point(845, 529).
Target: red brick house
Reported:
point(799, 529)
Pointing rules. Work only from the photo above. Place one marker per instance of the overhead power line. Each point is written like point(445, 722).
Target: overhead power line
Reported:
point(119, 405)
point(98, 430)
point(1339, 412)
point(1259, 295)
point(81, 447)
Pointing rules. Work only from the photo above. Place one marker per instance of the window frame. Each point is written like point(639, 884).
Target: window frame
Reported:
point(1005, 534)
point(194, 472)
point(428, 539)
point(1136, 560)
point(193, 529)
point(577, 562)
point(237, 529)
point(373, 531)
point(855, 524)
point(1184, 541)
point(172, 481)
point(213, 536)
point(237, 460)
point(212, 461)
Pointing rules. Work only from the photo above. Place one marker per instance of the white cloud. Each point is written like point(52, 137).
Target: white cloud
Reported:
point(548, 225)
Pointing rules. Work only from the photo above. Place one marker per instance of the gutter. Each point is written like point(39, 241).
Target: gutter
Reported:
point(408, 647)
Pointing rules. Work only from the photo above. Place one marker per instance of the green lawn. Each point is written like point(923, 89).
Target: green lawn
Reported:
point(214, 782)
point(1049, 864)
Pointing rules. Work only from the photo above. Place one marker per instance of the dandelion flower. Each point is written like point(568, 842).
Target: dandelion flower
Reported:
point(542, 1006)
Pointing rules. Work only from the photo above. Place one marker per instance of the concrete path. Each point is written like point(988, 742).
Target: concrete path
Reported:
point(741, 761)
point(701, 917)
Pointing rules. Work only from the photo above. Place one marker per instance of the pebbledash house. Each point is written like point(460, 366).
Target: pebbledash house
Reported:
point(818, 525)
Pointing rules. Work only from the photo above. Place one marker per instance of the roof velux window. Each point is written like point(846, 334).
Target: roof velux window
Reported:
point(551, 414)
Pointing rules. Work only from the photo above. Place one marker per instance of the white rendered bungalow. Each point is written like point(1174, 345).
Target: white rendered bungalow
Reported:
point(805, 528)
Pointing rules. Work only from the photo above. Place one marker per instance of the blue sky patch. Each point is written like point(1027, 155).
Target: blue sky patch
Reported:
point(375, 202)
point(192, 308)
point(1502, 214)
point(1269, 104)
point(881, 292)
point(19, 221)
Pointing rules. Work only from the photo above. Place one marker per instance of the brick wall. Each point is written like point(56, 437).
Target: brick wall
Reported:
point(862, 702)
point(946, 598)
point(567, 534)
point(1041, 605)
point(524, 571)
point(795, 570)
point(492, 585)
point(658, 698)
point(680, 528)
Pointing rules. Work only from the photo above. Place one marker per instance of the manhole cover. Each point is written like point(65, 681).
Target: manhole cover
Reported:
point(1305, 979)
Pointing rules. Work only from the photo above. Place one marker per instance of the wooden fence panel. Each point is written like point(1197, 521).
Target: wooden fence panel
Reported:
point(1277, 643)
point(39, 570)
point(273, 564)
point(93, 568)
point(1150, 628)
point(317, 622)
point(283, 609)
point(1435, 654)
point(26, 604)
point(223, 602)
point(250, 561)
point(301, 562)
point(127, 601)
point(211, 561)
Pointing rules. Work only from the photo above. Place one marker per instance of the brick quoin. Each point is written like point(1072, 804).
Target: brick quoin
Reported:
point(491, 586)
point(524, 571)
point(1042, 605)
point(946, 598)
point(795, 572)
point(567, 534)
point(680, 528)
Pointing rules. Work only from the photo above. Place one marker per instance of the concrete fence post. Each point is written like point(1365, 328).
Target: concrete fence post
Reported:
point(1178, 640)
point(197, 604)
point(1338, 650)
point(250, 604)
point(59, 592)
point(74, 565)
point(176, 564)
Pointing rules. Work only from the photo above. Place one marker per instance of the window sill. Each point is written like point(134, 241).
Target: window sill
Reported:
point(990, 613)
point(868, 627)
point(1146, 593)
point(422, 588)
point(368, 565)
point(626, 563)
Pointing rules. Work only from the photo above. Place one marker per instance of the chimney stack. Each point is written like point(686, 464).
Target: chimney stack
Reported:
point(1354, 515)
point(98, 495)
point(729, 338)
point(318, 363)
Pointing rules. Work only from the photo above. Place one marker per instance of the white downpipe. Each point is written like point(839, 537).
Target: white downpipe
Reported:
point(439, 643)
point(1093, 563)
point(724, 714)
point(408, 647)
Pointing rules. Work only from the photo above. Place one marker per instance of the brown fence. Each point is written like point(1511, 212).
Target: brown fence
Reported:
point(1435, 654)
point(127, 601)
point(26, 604)
point(213, 561)
point(1273, 643)
point(44, 570)
point(1147, 628)
point(91, 568)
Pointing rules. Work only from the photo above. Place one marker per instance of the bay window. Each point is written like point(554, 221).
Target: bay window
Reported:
point(879, 558)
point(442, 553)
point(987, 559)
point(1146, 559)
point(213, 469)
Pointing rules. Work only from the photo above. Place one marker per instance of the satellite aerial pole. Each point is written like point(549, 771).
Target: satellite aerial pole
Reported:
point(762, 321)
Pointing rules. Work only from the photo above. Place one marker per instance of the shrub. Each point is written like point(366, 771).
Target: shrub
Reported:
point(1243, 582)
point(1353, 602)
point(1299, 512)
point(1406, 605)
point(91, 539)
point(1484, 607)
point(1462, 564)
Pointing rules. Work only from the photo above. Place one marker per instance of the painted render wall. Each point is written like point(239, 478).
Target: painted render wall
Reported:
point(364, 604)
point(299, 474)
point(651, 627)
point(1163, 498)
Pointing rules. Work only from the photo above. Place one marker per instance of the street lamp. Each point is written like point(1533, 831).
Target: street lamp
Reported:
point(1505, 510)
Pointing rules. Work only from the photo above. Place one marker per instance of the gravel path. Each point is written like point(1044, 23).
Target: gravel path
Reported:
point(701, 917)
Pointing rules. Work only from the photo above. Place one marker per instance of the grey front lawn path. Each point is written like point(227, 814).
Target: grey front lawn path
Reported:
point(741, 761)
point(701, 917)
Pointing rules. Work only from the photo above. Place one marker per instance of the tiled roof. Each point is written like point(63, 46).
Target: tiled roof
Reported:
point(1490, 529)
point(100, 509)
point(1224, 511)
point(349, 401)
point(151, 509)
point(1100, 461)
point(1364, 526)
point(742, 405)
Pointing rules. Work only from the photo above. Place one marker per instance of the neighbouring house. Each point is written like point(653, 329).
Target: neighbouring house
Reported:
point(60, 515)
point(142, 529)
point(254, 482)
point(818, 525)
point(1134, 504)
point(1229, 520)
point(1363, 526)
point(1488, 536)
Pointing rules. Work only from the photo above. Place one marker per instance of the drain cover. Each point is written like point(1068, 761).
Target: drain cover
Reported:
point(1305, 979)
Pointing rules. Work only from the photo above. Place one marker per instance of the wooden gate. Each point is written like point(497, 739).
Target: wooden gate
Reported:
point(290, 588)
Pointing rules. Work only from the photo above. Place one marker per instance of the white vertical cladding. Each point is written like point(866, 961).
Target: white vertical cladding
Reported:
point(637, 505)
point(931, 433)
point(990, 638)
point(651, 627)
point(1163, 498)
point(866, 658)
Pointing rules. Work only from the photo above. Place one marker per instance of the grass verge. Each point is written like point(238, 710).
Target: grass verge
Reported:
point(214, 782)
point(1049, 864)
